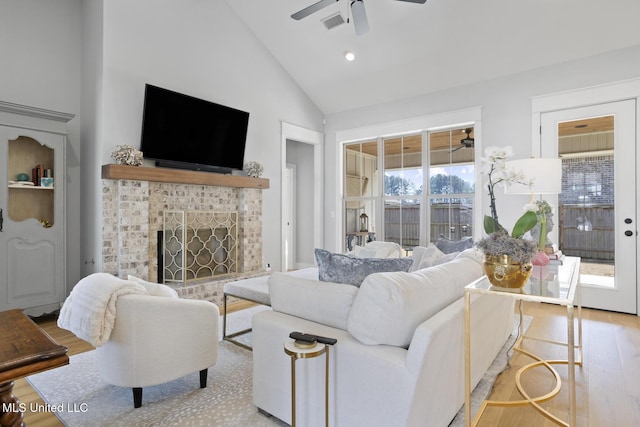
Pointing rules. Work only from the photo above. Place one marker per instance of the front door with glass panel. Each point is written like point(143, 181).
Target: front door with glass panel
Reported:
point(595, 212)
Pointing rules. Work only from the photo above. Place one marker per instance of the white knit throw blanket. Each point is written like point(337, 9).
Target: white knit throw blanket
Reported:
point(90, 309)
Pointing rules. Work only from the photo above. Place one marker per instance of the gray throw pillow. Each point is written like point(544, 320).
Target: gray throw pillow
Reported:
point(448, 246)
point(348, 270)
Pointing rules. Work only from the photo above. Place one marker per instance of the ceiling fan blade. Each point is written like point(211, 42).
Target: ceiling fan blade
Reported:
point(360, 22)
point(458, 148)
point(311, 9)
point(414, 1)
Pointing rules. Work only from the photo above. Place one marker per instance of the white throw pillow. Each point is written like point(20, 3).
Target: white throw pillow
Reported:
point(473, 254)
point(322, 302)
point(378, 249)
point(363, 252)
point(155, 289)
point(390, 306)
point(424, 257)
point(445, 258)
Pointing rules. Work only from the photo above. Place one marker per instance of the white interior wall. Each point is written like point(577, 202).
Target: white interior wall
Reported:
point(204, 50)
point(92, 64)
point(506, 118)
point(40, 48)
point(96, 56)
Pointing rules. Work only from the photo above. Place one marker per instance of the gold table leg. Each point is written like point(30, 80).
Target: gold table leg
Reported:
point(293, 390)
point(467, 360)
point(571, 362)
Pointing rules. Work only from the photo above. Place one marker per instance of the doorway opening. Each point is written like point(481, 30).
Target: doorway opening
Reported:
point(301, 189)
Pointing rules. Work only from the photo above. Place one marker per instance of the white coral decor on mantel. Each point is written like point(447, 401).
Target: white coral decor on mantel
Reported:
point(127, 155)
point(253, 169)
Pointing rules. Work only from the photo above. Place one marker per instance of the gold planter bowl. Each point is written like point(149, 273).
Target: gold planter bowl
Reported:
point(503, 272)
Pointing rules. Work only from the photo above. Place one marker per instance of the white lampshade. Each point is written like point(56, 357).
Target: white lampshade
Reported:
point(545, 174)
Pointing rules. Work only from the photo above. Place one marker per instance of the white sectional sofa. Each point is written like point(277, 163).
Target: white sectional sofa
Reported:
point(399, 359)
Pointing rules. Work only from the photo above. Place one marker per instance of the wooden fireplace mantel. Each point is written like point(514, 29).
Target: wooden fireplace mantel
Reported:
point(179, 176)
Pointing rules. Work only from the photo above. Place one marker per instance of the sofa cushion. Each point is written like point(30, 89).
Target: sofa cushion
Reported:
point(377, 249)
point(339, 268)
point(389, 306)
point(473, 254)
point(447, 246)
point(424, 257)
point(444, 258)
point(155, 289)
point(322, 302)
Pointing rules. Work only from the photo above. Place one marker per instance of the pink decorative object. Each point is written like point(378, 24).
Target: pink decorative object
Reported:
point(540, 259)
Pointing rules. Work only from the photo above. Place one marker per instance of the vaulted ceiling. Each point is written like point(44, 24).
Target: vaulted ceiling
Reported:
point(413, 49)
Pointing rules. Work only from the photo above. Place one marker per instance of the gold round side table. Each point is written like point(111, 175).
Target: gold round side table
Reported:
point(296, 353)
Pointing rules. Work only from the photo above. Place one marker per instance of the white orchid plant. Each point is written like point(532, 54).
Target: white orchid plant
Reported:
point(498, 173)
point(499, 241)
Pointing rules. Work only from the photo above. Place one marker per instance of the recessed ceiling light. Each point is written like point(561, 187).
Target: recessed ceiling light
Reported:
point(349, 56)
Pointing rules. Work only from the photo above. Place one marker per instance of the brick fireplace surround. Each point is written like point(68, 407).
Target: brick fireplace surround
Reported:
point(133, 199)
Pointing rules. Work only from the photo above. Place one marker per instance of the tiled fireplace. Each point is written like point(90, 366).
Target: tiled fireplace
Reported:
point(134, 200)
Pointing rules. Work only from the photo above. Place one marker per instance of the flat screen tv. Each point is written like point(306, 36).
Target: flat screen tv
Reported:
point(181, 131)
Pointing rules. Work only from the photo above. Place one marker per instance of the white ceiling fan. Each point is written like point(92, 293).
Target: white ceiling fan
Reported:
point(360, 22)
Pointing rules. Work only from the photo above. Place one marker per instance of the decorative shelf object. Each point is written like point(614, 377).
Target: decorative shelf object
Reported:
point(142, 173)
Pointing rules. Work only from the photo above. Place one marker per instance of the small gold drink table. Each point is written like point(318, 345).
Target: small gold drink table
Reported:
point(307, 353)
point(552, 284)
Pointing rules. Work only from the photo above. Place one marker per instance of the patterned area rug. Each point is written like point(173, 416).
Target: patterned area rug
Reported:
point(81, 398)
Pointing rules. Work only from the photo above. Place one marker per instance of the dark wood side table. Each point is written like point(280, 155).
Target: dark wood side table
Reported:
point(25, 349)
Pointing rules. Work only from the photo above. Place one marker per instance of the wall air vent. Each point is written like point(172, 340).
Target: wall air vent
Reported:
point(333, 20)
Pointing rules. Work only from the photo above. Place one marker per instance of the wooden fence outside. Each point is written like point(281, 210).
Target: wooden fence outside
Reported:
point(587, 231)
point(403, 225)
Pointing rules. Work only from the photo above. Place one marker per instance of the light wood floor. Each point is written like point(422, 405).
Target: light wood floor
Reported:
point(608, 384)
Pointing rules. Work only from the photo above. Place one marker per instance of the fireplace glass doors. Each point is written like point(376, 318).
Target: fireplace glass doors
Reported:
point(198, 244)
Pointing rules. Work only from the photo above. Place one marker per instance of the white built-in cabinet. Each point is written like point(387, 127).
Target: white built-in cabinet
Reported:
point(32, 217)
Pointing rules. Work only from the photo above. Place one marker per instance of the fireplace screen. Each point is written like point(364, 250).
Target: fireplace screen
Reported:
point(198, 244)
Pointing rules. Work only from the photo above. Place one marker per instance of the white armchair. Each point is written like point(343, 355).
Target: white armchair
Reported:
point(156, 339)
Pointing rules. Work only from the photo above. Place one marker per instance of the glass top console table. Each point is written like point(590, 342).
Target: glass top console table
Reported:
point(553, 284)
